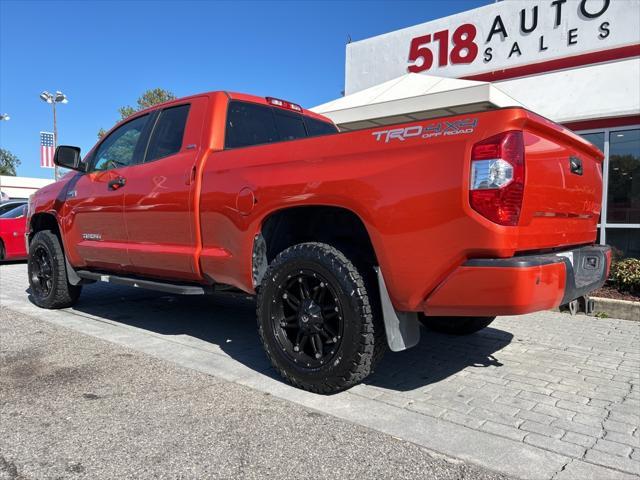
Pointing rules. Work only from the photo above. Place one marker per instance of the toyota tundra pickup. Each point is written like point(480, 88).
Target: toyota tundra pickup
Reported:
point(349, 240)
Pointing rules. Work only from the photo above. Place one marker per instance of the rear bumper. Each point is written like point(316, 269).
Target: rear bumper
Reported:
point(517, 285)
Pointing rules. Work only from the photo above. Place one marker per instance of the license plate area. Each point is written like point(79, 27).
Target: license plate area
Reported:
point(588, 266)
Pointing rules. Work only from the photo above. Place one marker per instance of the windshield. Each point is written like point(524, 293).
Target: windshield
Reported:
point(17, 212)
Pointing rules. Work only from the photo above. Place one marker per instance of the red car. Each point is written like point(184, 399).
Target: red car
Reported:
point(348, 239)
point(12, 230)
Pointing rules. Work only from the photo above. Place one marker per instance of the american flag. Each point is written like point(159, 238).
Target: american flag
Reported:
point(46, 150)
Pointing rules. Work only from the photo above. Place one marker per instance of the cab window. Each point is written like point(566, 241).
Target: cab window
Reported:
point(249, 124)
point(290, 125)
point(118, 149)
point(254, 124)
point(168, 133)
point(318, 127)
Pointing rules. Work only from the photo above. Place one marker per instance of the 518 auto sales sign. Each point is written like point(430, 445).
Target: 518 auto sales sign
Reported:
point(498, 38)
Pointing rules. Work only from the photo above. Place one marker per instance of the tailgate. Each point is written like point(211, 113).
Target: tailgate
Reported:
point(563, 187)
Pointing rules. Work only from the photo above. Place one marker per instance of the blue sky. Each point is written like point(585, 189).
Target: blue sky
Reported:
point(104, 54)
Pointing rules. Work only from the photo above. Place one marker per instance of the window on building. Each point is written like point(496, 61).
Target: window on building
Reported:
point(625, 240)
point(596, 138)
point(623, 196)
point(620, 218)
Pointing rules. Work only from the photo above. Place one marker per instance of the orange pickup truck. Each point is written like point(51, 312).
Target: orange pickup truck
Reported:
point(350, 240)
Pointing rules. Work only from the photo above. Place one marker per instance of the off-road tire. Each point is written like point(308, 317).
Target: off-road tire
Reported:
point(455, 325)
point(62, 294)
point(362, 328)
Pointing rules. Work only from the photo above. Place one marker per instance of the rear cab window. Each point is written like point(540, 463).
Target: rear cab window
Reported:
point(254, 124)
point(249, 124)
point(289, 125)
point(317, 127)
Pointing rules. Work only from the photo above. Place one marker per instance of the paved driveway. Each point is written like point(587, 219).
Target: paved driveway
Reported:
point(75, 407)
point(538, 396)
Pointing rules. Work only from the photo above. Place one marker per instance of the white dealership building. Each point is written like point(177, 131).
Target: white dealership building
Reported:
point(576, 62)
point(20, 187)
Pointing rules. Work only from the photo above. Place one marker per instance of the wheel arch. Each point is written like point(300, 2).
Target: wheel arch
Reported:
point(286, 227)
point(49, 221)
point(44, 221)
point(330, 224)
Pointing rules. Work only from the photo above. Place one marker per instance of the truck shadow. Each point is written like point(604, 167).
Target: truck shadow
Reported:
point(227, 322)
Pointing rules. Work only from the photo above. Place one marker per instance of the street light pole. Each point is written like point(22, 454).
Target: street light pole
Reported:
point(54, 98)
point(55, 140)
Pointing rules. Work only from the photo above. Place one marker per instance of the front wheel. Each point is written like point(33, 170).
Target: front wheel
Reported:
point(315, 319)
point(48, 273)
point(456, 325)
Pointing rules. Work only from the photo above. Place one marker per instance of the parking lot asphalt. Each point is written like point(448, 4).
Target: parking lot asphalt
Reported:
point(537, 396)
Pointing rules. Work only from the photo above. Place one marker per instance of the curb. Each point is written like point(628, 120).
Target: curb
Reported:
point(623, 309)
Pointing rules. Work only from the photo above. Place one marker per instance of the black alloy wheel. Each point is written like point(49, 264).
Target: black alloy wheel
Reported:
point(316, 320)
point(307, 319)
point(41, 272)
point(47, 273)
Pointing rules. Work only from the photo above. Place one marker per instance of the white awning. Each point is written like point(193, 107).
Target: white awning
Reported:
point(413, 97)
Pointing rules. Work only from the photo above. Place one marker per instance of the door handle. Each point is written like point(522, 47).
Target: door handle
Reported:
point(117, 183)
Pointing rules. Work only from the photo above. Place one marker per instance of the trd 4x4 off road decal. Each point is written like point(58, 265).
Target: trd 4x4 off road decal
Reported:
point(446, 128)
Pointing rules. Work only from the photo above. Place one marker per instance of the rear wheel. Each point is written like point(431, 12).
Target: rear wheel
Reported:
point(456, 325)
point(48, 273)
point(315, 319)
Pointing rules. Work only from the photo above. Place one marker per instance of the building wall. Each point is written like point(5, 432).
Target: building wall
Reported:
point(21, 187)
point(508, 39)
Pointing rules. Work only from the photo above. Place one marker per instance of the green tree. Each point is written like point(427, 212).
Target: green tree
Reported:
point(8, 162)
point(147, 99)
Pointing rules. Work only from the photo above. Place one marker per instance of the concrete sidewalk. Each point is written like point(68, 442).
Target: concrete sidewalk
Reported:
point(538, 396)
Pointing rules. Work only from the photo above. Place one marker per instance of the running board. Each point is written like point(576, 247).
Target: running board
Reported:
point(178, 289)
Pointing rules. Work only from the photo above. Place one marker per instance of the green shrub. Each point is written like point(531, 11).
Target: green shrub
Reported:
point(625, 275)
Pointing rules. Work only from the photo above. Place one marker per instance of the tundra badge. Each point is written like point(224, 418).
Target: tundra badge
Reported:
point(92, 236)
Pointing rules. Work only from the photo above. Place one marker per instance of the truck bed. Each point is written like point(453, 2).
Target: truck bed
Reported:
point(411, 192)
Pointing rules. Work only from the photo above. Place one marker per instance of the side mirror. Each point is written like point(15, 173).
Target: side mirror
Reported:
point(68, 157)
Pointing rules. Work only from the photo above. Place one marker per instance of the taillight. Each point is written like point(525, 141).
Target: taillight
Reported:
point(497, 177)
point(284, 104)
